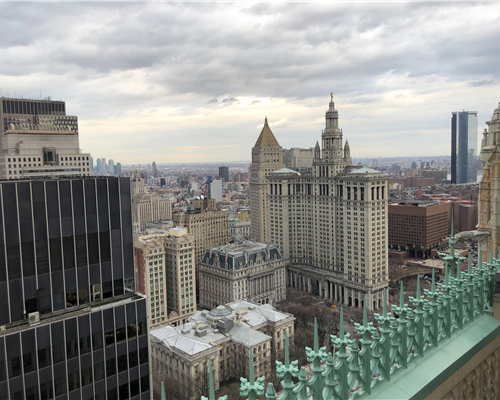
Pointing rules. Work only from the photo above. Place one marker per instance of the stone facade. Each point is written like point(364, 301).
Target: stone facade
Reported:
point(331, 223)
point(298, 159)
point(267, 156)
point(238, 229)
point(164, 268)
point(483, 382)
point(38, 139)
point(489, 187)
point(147, 207)
point(222, 337)
point(247, 270)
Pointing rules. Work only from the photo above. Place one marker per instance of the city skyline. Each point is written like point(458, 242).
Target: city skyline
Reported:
point(185, 89)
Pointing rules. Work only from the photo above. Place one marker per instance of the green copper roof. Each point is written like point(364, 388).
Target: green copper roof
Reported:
point(286, 171)
point(365, 170)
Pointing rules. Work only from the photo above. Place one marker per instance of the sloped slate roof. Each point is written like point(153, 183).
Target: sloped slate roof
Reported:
point(266, 137)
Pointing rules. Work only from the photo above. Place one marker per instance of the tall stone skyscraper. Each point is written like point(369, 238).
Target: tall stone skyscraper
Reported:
point(489, 188)
point(331, 224)
point(267, 156)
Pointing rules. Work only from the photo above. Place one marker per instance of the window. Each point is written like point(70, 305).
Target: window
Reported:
point(14, 366)
point(60, 384)
point(97, 340)
point(99, 371)
point(110, 337)
point(110, 367)
point(122, 363)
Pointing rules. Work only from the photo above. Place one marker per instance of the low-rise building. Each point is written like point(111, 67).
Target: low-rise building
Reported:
point(164, 269)
point(222, 336)
point(246, 270)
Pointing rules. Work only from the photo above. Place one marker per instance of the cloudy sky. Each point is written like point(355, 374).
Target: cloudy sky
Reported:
point(186, 82)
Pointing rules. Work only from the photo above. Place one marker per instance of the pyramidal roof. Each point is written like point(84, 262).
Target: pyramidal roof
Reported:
point(266, 137)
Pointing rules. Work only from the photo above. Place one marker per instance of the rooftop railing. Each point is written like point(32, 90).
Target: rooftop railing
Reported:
point(355, 367)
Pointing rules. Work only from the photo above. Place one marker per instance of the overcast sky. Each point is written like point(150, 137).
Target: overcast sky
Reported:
point(188, 82)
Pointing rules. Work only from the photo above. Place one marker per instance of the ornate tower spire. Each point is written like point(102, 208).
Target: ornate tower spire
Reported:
point(347, 152)
point(317, 151)
point(332, 135)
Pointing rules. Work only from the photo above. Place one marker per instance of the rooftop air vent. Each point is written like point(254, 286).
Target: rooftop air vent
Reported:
point(34, 317)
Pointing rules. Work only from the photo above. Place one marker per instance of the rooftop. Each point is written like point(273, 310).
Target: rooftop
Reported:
point(266, 137)
point(204, 330)
point(365, 170)
point(241, 255)
point(286, 171)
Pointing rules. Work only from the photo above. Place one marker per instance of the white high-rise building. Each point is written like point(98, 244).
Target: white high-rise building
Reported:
point(331, 224)
point(216, 190)
point(38, 139)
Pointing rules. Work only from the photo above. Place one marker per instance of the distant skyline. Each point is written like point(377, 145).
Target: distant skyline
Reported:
point(192, 82)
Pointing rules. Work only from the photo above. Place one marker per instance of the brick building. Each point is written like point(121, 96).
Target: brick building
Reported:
point(418, 226)
point(467, 217)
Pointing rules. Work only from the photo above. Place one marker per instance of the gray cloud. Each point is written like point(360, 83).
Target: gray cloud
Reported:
point(119, 59)
point(483, 82)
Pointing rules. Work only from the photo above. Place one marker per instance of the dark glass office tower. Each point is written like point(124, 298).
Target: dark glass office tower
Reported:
point(71, 324)
point(464, 147)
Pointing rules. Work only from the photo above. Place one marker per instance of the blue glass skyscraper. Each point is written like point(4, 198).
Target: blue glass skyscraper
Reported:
point(464, 146)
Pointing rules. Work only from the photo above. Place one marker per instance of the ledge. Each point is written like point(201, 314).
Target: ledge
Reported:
point(426, 374)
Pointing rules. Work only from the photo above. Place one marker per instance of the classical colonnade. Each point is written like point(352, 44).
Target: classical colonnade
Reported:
point(329, 289)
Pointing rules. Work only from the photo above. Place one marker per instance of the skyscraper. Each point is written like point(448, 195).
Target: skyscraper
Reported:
point(72, 325)
point(224, 173)
point(39, 139)
point(98, 165)
point(330, 223)
point(267, 156)
point(154, 169)
point(464, 146)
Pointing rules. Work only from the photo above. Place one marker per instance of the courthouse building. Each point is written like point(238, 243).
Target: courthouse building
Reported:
point(247, 270)
point(222, 336)
point(331, 223)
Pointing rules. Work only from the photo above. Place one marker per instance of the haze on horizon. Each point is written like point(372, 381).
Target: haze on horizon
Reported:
point(192, 82)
